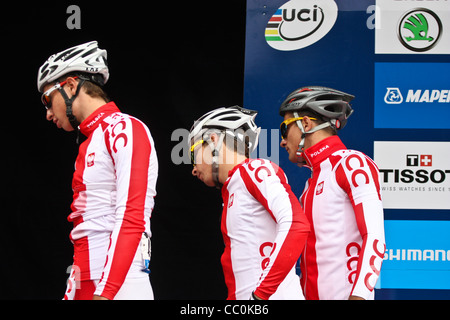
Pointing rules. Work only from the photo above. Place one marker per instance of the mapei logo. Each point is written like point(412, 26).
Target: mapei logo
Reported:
point(394, 96)
point(419, 29)
point(298, 24)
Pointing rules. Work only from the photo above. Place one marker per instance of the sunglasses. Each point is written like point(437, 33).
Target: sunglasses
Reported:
point(192, 151)
point(45, 98)
point(284, 125)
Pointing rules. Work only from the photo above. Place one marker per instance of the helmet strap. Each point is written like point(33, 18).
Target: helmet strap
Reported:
point(69, 101)
point(215, 158)
point(300, 160)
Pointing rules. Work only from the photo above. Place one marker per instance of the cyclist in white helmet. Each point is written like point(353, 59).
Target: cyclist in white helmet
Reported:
point(263, 226)
point(114, 179)
point(342, 199)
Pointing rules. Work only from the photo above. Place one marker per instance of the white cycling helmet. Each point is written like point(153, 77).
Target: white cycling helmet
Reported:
point(236, 122)
point(233, 121)
point(85, 58)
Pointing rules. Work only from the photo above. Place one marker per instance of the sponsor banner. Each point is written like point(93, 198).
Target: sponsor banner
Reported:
point(414, 175)
point(414, 27)
point(417, 255)
point(298, 24)
point(405, 93)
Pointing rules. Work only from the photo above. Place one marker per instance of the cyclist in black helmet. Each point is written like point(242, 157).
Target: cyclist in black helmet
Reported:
point(342, 200)
point(313, 109)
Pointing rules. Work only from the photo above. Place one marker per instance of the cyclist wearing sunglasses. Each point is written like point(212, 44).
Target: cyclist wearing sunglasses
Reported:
point(345, 249)
point(263, 225)
point(114, 179)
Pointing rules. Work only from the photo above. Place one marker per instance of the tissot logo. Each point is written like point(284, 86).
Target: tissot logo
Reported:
point(298, 23)
point(419, 29)
point(423, 175)
point(415, 160)
point(414, 174)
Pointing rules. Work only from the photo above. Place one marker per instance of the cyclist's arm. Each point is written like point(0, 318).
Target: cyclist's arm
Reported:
point(358, 176)
point(269, 186)
point(130, 148)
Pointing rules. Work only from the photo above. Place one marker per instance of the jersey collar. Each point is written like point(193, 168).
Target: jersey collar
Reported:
point(232, 171)
point(322, 150)
point(93, 121)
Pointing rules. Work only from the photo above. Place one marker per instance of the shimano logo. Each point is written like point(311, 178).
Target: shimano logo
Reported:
point(417, 255)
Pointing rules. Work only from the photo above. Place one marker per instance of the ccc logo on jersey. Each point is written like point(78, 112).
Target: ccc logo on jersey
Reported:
point(356, 172)
point(259, 169)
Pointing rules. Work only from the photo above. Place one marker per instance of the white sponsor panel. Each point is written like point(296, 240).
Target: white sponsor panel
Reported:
point(414, 175)
point(415, 27)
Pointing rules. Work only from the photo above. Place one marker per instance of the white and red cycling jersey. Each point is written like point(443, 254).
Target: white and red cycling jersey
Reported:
point(114, 186)
point(342, 200)
point(264, 230)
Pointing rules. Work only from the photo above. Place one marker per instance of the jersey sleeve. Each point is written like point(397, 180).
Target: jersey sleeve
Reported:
point(130, 146)
point(358, 176)
point(268, 184)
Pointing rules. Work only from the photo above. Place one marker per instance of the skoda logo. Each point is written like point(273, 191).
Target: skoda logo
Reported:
point(298, 24)
point(420, 29)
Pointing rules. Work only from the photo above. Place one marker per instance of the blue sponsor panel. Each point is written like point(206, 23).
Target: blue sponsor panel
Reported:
point(290, 44)
point(417, 255)
point(405, 92)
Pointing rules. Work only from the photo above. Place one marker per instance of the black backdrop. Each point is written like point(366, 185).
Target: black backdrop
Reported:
point(169, 64)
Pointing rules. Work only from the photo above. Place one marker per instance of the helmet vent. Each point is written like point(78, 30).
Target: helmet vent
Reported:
point(89, 52)
point(72, 55)
point(232, 118)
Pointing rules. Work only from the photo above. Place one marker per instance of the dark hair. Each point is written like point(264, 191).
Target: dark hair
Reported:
point(239, 147)
point(90, 87)
point(95, 91)
point(310, 113)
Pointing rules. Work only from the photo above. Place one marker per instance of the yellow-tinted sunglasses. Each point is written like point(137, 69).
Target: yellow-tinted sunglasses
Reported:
point(284, 125)
point(192, 151)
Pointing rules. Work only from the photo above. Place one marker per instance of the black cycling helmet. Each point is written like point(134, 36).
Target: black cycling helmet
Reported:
point(333, 105)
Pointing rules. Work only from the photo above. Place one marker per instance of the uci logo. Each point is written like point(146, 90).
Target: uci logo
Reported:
point(298, 24)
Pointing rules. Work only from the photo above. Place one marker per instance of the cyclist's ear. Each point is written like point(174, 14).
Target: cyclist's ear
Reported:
point(214, 138)
point(72, 84)
point(307, 123)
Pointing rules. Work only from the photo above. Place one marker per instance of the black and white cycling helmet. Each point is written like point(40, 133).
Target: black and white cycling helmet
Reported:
point(86, 58)
point(235, 122)
point(331, 104)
